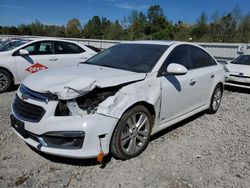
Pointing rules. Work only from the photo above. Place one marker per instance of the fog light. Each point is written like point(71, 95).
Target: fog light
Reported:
point(64, 139)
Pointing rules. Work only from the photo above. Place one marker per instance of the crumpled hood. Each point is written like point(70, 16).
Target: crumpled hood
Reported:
point(237, 68)
point(71, 82)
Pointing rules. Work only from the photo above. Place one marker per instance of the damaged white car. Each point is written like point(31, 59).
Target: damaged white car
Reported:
point(113, 102)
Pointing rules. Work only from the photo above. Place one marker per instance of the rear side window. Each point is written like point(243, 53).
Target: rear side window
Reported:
point(68, 48)
point(179, 55)
point(200, 58)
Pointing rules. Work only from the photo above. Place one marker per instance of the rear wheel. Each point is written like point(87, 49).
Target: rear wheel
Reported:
point(215, 100)
point(131, 136)
point(5, 80)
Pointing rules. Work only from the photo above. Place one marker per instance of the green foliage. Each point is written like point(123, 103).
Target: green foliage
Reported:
point(156, 19)
point(73, 28)
point(232, 26)
point(201, 28)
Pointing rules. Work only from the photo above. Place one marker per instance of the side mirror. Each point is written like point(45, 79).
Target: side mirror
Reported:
point(23, 52)
point(176, 69)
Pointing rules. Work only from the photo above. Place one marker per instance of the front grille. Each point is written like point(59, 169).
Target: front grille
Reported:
point(239, 83)
point(240, 76)
point(27, 111)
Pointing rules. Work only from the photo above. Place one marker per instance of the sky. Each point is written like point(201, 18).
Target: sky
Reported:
point(58, 12)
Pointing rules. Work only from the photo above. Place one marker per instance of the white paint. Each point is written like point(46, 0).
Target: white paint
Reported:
point(17, 65)
point(238, 73)
point(173, 97)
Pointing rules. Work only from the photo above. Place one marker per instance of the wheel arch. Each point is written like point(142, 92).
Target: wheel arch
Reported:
point(147, 105)
point(11, 74)
point(220, 84)
point(151, 110)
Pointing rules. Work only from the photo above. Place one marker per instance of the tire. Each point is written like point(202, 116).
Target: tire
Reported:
point(215, 100)
point(5, 80)
point(130, 137)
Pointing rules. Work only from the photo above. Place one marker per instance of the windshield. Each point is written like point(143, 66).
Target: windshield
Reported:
point(131, 57)
point(243, 60)
point(12, 44)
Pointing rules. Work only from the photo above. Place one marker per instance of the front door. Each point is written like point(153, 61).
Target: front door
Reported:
point(179, 92)
point(41, 56)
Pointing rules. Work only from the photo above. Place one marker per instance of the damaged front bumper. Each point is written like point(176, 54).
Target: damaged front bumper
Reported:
point(68, 136)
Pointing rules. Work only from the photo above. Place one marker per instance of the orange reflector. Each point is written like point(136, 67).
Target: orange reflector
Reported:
point(100, 156)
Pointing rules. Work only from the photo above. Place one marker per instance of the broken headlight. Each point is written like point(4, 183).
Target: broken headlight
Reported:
point(62, 109)
point(91, 100)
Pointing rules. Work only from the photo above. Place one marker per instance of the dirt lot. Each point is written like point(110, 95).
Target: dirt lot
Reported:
point(203, 151)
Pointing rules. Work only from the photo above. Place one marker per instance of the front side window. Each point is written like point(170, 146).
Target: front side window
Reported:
point(179, 55)
point(68, 48)
point(242, 60)
point(40, 48)
point(31, 48)
point(131, 57)
point(200, 58)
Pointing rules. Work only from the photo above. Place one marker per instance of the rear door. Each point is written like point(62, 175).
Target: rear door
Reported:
point(41, 56)
point(203, 70)
point(69, 53)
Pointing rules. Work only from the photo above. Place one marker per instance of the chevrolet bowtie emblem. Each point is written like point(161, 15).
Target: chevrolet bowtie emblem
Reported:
point(24, 97)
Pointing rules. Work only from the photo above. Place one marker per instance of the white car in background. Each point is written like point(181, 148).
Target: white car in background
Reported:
point(238, 72)
point(114, 101)
point(20, 58)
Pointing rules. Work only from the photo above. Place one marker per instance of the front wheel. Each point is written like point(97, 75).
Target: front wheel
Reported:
point(215, 100)
point(132, 133)
point(5, 80)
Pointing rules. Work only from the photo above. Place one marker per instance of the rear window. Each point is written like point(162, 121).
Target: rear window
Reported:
point(12, 44)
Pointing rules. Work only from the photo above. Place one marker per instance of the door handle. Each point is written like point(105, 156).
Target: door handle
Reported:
point(192, 83)
point(53, 59)
point(212, 76)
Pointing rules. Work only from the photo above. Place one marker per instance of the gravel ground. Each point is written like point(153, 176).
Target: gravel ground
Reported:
point(203, 151)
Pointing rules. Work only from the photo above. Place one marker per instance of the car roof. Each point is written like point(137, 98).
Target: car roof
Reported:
point(160, 42)
point(51, 39)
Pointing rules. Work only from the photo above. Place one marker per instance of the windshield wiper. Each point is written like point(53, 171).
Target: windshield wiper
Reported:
point(103, 65)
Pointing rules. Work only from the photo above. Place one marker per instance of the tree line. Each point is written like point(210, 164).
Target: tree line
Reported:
point(231, 26)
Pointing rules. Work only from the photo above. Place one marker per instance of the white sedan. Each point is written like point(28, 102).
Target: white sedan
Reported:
point(238, 72)
point(20, 58)
point(114, 101)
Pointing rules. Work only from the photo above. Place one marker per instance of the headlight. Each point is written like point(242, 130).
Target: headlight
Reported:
point(91, 100)
point(62, 109)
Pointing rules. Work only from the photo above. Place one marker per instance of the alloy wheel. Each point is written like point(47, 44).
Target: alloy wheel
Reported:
point(3, 81)
point(135, 133)
point(216, 98)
